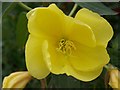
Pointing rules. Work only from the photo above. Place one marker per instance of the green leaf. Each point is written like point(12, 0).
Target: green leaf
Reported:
point(9, 8)
point(115, 43)
point(63, 81)
point(21, 30)
point(97, 7)
point(114, 50)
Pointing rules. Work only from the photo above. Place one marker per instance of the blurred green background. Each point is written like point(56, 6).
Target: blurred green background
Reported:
point(14, 36)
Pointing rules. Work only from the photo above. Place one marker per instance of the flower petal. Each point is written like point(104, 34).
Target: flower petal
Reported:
point(87, 59)
point(46, 21)
point(52, 7)
point(79, 32)
point(82, 75)
point(101, 28)
point(34, 58)
point(55, 60)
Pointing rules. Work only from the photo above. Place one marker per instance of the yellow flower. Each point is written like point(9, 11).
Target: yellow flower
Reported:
point(114, 81)
point(16, 80)
point(62, 44)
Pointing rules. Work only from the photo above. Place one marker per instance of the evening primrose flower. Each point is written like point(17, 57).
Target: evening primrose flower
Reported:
point(62, 44)
point(16, 80)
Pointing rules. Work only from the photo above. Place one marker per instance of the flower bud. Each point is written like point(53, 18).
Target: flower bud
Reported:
point(114, 80)
point(16, 80)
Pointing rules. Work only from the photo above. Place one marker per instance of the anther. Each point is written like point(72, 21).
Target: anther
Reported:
point(66, 46)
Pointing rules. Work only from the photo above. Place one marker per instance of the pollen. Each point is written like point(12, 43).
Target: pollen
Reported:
point(66, 46)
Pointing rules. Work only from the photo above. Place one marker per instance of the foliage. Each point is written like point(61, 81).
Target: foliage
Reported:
point(14, 30)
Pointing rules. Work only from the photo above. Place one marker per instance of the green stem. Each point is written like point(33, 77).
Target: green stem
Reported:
point(73, 10)
point(106, 66)
point(24, 6)
point(110, 66)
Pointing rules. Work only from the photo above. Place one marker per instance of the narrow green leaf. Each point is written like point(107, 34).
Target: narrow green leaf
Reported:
point(115, 42)
point(9, 8)
point(97, 7)
point(21, 30)
point(114, 50)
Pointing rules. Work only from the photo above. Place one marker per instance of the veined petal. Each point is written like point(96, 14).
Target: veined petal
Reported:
point(79, 32)
point(46, 21)
point(82, 75)
point(101, 28)
point(87, 59)
point(34, 58)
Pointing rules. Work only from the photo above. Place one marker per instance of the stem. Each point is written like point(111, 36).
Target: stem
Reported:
point(110, 66)
point(24, 6)
point(43, 84)
point(73, 10)
point(107, 67)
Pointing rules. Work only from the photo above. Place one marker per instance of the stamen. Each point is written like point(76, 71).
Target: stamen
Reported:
point(66, 46)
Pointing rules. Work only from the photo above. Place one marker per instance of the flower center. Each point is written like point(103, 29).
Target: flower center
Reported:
point(66, 46)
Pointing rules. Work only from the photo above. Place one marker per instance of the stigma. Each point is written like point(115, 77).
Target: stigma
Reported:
point(66, 46)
